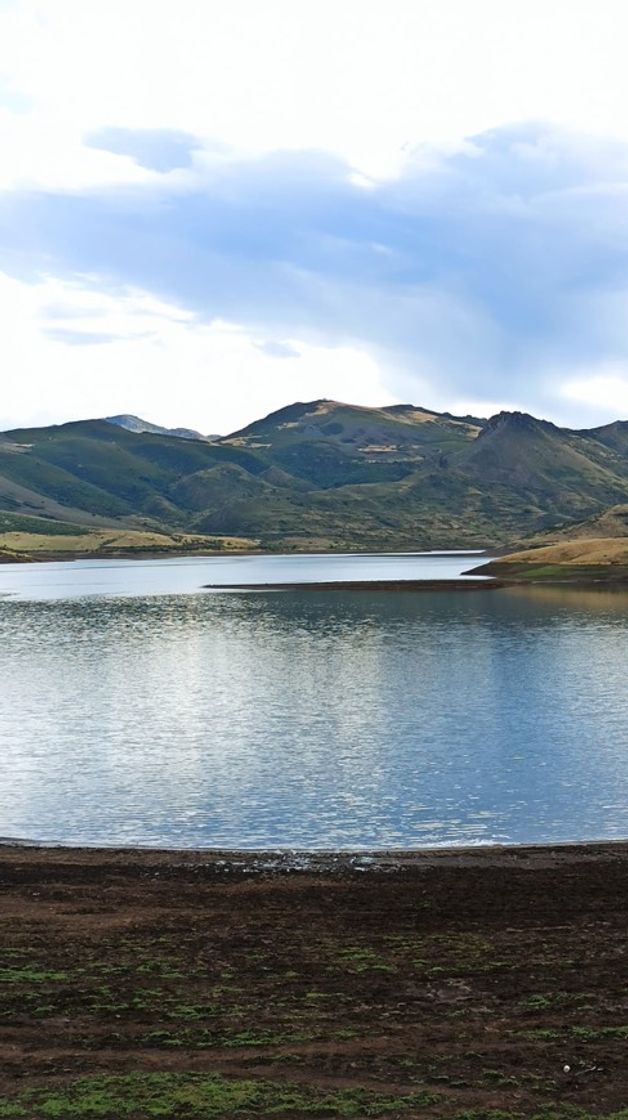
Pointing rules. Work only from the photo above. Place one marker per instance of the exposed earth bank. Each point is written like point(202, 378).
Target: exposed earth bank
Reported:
point(457, 983)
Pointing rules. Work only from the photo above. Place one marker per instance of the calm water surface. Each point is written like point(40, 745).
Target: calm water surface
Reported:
point(187, 575)
point(135, 709)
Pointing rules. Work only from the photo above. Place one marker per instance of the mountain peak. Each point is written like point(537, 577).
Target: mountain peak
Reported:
point(289, 414)
point(133, 423)
point(515, 421)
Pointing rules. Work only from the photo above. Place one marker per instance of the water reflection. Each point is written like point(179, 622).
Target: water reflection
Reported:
point(586, 599)
point(337, 719)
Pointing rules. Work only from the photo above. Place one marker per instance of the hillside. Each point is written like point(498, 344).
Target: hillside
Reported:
point(612, 522)
point(323, 475)
point(600, 550)
point(594, 559)
point(29, 538)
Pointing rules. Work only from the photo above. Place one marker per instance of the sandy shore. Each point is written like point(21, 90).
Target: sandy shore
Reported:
point(447, 983)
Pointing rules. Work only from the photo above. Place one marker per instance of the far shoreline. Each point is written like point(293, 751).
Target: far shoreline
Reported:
point(456, 584)
point(211, 554)
point(493, 574)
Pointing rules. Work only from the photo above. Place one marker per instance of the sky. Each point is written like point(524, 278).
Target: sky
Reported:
point(212, 208)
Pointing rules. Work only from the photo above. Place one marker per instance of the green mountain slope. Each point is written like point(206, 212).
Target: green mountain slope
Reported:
point(541, 474)
point(331, 444)
point(325, 475)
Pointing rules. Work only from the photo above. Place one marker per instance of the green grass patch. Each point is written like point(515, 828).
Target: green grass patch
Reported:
point(562, 573)
point(362, 959)
point(590, 1034)
point(566, 1112)
point(30, 976)
point(203, 1097)
point(541, 1002)
point(22, 523)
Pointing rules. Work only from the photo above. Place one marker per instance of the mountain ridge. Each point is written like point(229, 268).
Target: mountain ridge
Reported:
point(137, 424)
point(324, 474)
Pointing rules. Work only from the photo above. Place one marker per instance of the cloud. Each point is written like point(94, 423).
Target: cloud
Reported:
point(71, 351)
point(339, 179)
point(488, 272)
point(48, 153)
point(364, 79)
point(278, 349)
point(159, 149)
point(79, 338)
point(603, 389)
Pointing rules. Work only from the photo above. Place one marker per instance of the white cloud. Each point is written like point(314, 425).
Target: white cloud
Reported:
point(365, 79)
point(463, 267)
point(37, 151)
point(604, 389)
point(148, 357)
point(481, 408)
point(488, 276)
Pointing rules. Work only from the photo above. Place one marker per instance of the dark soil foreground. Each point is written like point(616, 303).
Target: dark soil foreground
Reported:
point(471, 984)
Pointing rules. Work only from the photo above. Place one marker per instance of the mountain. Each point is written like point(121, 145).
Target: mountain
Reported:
point(543, 474)
point(136, 424)
point(331, 444)
point(323, 474)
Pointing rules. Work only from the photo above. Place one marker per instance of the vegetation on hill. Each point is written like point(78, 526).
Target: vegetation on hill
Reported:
point(53, 540)
point(612, 522)
point(599, 559)
point(325, 475)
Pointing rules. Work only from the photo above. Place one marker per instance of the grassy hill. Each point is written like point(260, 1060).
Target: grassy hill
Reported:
point(54, 541)
point(595, 550)
point(321, 475)
point(592, 559)
point(612, 522)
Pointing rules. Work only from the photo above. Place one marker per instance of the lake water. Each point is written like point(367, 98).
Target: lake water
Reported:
point(188, 575)
point(136, 709)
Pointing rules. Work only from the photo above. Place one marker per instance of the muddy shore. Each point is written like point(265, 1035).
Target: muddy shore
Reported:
point(451, 983)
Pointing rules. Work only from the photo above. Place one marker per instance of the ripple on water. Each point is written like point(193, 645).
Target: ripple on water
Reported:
point(364, 720)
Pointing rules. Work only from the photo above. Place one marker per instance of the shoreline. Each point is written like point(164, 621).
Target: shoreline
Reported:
point(455, 584)
point(52, 557)
point(319, 860)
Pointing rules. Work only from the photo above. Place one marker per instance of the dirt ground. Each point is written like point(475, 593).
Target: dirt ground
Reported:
point(473, 984)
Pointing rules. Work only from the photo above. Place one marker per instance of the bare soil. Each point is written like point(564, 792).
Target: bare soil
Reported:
point(442, 984)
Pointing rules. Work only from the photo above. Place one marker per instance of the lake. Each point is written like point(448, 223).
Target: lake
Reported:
point(137, 709)
point(188, 575)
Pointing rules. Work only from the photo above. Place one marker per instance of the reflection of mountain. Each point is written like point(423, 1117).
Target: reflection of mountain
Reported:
point(324, 474)
point(606, 601)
